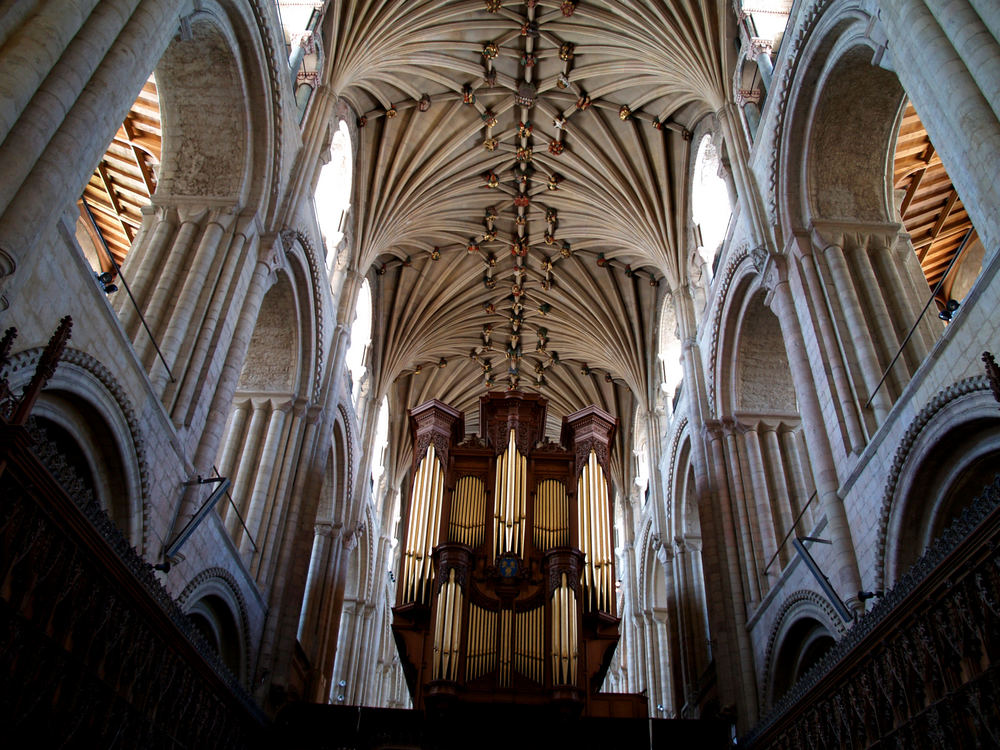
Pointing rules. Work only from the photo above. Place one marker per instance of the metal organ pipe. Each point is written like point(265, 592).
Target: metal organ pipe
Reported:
point(551, 528)
point(447, 630)
point(425, 515)
point(510, 504)
point(467, 524)
point(595, 532)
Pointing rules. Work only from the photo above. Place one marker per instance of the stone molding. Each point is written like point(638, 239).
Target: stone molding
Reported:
point(227, 580)
point(787, 613)
point(24, 362)
point(288, 238)
point(906, 443)
point(722, 298)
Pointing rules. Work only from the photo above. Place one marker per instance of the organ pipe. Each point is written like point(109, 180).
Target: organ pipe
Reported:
point(447, 630)
point(467, 524)
point(595, 537)
point(551, 521)
point(425, 516)
point(505, 647)
point(528, 654)
point(564, 634)
point(507, 619)
point(510, 504)
point(481, 649)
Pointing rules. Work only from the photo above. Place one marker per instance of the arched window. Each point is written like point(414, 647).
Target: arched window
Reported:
point(333, 193)
point(381, 442)
point(805, 643)
point(361, 336)
point(671, 371)
point(120, 187)
point(710, 209)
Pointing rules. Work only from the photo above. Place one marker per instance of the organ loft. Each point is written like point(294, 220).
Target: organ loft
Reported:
point(507, 582)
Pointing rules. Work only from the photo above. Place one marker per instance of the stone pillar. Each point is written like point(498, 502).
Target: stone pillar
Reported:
point(764, 520)
point(780, 501)
point(760, 53)
point(848, 407)
point(245, 474)
point(946, 58)
point(861, 343)
point(665, 684)
point(844, 573)
point(71, 72)
point(737, 685)
point(266, 468)
point(750, 545)
point(219, 309)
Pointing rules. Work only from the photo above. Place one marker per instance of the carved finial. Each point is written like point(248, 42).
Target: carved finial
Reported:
point(5, 345)
point(45, 369)
point(992, 374)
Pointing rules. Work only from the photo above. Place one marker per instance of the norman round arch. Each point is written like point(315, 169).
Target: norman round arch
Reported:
point(805, 627)
point(220, 141)
point(948, 454)
point(213, 602)
point(92, 415)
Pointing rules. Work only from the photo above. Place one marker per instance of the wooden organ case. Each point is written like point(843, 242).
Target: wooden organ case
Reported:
point(506, 588)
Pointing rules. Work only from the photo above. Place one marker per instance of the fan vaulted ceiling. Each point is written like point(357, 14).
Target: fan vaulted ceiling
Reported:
point(520, 188)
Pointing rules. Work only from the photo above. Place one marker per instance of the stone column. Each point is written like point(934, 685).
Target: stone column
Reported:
point(844, 572)
point(764, 520)
point(728, 455)
point(665, 684)
point(946, 59)
point(848, 406)
point(727, 614)
point(76, 72)
point(780, 502)
point(244, 475)
point(219, 307)
point(266, 468)
point(197, 282)
point(861, 343)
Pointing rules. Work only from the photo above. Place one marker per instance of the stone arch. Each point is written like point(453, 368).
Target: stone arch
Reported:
point(271, 393)
point(87, 406)
point(273, 363)
point(805, 627)
point(734, 268)
point(220, 141)
point(742, 374)
point(849, 149)
point(755, 400)
point(821, 38)
point(950, 451)
point(213, 602)
point(298, 246)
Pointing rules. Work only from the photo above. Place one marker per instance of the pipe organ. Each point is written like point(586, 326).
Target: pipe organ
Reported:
point(525, 613)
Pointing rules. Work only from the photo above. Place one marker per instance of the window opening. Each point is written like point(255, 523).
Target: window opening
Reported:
point(361, 336)
point(333, 193)
point(121, 186)
point(933, 215)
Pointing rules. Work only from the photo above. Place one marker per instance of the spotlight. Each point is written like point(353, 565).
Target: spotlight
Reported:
point(949, 310)
point(106, 280)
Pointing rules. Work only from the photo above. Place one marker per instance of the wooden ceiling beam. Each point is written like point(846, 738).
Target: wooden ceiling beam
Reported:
point(109, 188)
point(140, 161)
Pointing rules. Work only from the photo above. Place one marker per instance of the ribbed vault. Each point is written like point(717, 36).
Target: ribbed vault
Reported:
point(521, 189)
